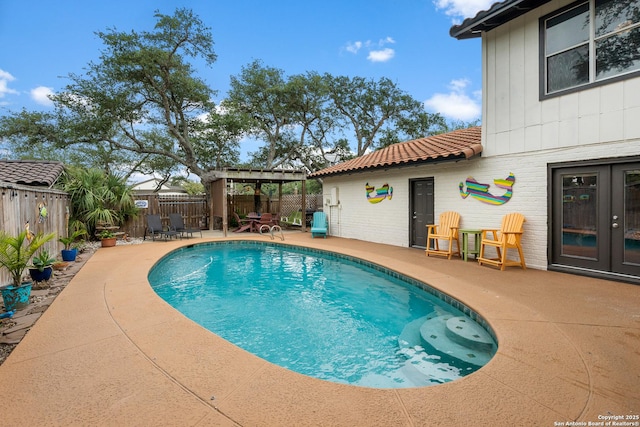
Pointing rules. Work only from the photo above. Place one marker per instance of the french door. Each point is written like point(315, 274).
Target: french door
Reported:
point(596, 218)
point(421, 211)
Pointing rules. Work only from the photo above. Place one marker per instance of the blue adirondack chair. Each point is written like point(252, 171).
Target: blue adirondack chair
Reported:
point(319, 225)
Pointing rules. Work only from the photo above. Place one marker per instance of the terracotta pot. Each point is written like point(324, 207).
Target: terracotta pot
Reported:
point(108, 242)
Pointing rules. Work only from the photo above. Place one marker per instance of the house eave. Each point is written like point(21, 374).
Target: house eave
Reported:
point(499, 14)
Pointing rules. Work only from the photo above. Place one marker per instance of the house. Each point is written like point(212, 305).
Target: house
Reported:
point(157, 186)
point(560, 143)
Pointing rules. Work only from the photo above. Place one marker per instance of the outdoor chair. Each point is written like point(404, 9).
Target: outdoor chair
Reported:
point(447, 231)
point(319, 225)
point(177, 224)
point(155, 228)
point(243, 224)
point(508, 237)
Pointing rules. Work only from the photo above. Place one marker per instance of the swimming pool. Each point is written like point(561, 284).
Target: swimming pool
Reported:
point(324, 315)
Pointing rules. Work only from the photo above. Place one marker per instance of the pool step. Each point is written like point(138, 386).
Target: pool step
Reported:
point(458, 337)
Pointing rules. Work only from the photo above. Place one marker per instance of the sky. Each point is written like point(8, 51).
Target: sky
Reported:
point(407, 41)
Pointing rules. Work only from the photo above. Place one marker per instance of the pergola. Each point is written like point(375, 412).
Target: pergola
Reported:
point(219, 190)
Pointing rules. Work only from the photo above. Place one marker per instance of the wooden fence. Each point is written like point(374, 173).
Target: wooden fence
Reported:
point(243, 204)
point(195, 209)
point(45, 210)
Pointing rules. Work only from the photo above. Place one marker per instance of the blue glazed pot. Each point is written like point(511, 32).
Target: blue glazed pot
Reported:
point(39, 276)
point(16, 298)
point(69, 254)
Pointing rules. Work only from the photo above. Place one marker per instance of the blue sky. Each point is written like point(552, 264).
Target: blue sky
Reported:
point(42, 41)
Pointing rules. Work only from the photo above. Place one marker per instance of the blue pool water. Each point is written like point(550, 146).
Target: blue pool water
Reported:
point(323, 315)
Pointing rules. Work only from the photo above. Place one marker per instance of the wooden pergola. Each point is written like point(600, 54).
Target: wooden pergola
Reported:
point(219, 190)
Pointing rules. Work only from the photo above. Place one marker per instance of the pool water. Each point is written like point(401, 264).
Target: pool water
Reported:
point(321, 315)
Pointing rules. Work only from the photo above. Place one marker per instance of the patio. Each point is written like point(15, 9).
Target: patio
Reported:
point(108, 351)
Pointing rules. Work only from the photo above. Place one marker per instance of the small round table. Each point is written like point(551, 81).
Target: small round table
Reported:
point(466, 251)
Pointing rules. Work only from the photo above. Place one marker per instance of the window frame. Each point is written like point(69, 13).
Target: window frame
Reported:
point(542, 56)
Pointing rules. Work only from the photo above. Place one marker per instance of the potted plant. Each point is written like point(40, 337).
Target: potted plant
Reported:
point(41, 267)
point(107, 238)
point(15, 254)
point(69, 252)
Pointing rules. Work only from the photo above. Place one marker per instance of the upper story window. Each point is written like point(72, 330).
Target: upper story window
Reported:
point(590, 42)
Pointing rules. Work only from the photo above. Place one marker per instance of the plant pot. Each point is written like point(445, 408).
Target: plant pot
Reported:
point(69, 254)
point(108, 242)
point(60, 265)
point(40, 276)
point(16, 298)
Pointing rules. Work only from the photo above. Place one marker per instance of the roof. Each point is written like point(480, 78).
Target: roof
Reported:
point(457, 145)
point(41, 173)
point(498, 14)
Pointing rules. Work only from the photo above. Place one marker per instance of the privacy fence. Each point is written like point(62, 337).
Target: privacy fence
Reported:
point(42, 210)
point(196, 212)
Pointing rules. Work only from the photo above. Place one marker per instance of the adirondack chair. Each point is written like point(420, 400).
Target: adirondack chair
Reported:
point(319, 225)
point(447, 231)
point(508, 237)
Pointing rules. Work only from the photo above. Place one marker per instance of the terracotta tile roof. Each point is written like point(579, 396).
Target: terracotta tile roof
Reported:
point(30, 172)
point(456, 145)
point(499, 13)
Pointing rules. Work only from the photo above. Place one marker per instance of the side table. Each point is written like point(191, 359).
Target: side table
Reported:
point(466, 251)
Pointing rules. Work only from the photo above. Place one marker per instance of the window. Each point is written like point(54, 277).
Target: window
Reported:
point(590, 42)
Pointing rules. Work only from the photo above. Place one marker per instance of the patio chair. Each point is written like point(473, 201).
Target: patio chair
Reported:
point(508, 237)
point(155, 228)
point(243, 223)
point(177, 224)
point(266, 219)
point(447, 231)
point(319, 225)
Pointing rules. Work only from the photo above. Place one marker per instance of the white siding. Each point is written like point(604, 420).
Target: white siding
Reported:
point(388, 221)
point(514, 114)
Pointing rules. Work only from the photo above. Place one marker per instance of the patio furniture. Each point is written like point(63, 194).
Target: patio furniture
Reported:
point(243, 224)
point(319, 225)
point(466, 250)
point(508, 237)
point(447, 231)
point(155, 228)
point(294, 218)
point(177, 224)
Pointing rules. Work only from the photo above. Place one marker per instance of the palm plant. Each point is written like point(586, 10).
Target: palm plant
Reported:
point(98, 198)
point(15, 254)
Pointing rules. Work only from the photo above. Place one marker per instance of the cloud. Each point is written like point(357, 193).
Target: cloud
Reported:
point(462, 8)
point(376, 50)
point(41, 95)
point(5, 78)
point(353, 47)
point(381, 55)
point(457, 104)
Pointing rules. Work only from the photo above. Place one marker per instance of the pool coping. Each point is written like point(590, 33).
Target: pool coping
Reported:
point(110, 351)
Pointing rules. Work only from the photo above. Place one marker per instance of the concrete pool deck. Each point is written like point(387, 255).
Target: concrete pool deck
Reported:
point(109, 351)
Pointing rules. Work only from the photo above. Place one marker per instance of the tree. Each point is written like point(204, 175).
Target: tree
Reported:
point(261, 93)
point(143, 97)
point(308, 119)
point(379, 113)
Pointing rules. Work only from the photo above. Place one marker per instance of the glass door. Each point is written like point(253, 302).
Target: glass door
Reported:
point(625, 219)
point(581, 233)
point(596, 218)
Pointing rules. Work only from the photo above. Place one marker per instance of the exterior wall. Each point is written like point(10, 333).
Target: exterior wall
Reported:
point(516, 120)
point(389, 221)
